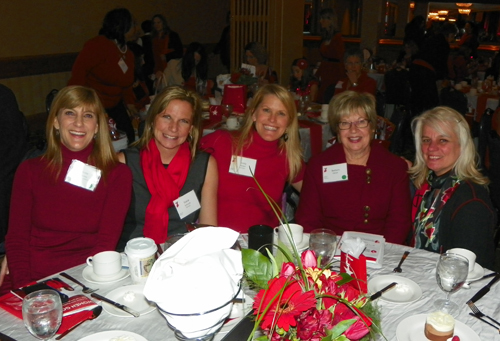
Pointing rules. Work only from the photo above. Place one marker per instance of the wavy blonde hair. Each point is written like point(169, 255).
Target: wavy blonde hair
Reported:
point(290, 145)
point(103, 155)
point(439, 119)
point(160, 103)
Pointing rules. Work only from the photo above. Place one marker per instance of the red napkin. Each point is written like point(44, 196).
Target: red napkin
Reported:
point(236, 95)
point(356, 267)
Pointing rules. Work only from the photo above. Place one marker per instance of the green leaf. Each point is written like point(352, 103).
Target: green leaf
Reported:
point(340, 328)
point(346, 278)
point(257, 267)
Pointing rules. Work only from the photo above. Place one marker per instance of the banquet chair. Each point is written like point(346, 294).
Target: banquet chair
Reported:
point(49, 99)
point(485, 138)
point(454, 99)
point(401, 120)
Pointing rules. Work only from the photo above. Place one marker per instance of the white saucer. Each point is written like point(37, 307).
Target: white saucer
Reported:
point(476, 273)
point(139, 303)
point(412, 329)
point(90, 276)
point(303, 245)
point(110, 334)
point(406, 291)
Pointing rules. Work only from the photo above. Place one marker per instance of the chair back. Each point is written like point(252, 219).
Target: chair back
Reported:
point(49, 99)
point(401, 120)
point(484, 137)
point(454, 99)
point(397, 87)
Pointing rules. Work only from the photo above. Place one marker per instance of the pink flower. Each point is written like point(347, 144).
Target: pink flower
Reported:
point(357, 331)
point(308, 259)
point(287, 270)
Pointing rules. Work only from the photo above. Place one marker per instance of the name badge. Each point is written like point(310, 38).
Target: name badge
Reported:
point(339, 85)
point(123, 65)
point(187, 204)
point(242, 166)
point(82, 175)
point(334, 173)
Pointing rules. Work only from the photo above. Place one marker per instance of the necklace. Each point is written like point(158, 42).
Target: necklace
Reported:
point(122, 50)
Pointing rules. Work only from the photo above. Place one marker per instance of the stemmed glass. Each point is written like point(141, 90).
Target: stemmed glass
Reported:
point(451, 273)
point(42, 313)
point(323, 242)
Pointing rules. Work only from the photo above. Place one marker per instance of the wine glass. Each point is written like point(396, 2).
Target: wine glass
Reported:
point(323, 242)
point(451, 272)
point(42, 313)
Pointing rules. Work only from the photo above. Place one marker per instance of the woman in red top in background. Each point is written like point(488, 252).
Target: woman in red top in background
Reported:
point(268, 144)
point(356, 79)
point(57, 222)
point(107, 65)
point(167, 45)
point(332, 50)
point(302, 81)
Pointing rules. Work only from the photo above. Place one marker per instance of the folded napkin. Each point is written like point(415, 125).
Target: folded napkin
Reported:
point(353, 246)
point(198, 273)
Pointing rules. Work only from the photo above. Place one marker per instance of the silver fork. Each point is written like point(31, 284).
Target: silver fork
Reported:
point(478, 313)
point(85, 289)
point(398, 268)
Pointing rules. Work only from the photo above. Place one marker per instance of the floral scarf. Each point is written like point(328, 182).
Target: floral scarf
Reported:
point(164, 184)
point(428, 205)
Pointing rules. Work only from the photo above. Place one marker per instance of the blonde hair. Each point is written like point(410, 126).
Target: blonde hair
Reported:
point(291, 144)
point(160, 103)
point(439, 119)
point(103, 155)
point(349, 102)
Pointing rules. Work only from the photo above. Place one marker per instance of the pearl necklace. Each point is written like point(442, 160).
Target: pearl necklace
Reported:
point(123, 51)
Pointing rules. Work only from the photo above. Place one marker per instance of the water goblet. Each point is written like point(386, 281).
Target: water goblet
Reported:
point(323, 242)
point(451, 273)
point(42, 313)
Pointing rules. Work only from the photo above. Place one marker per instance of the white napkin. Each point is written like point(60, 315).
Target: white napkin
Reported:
point(353, 247)
point(198, 273)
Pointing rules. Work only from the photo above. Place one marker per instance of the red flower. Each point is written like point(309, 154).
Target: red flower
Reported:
point(287, 270)
point(429, 232)
point(357, 331)
point(308, 259)
point(284, 301)
point(312, 325)
point(235, 77)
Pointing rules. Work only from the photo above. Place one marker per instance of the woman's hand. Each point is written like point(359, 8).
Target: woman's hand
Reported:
point(4, 270)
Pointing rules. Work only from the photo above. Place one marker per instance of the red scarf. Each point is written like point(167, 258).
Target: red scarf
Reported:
point(164, 184)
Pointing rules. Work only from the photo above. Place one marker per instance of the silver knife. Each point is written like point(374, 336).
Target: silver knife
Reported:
point(116, 304)
point(380, 292)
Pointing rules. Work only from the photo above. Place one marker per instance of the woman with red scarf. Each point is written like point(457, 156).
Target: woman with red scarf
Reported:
point(173, 183)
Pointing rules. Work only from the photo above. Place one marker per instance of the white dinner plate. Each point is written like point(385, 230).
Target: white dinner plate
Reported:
point(476, 273)
point(412, 329)
point(139, 303)
point(106, 336)
point(406, 291)
point(90, 276)
point(239, 311)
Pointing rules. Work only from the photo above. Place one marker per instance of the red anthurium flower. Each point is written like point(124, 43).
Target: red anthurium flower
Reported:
point(357, 331)
point(312, 324)
point(308, 259)
point(287, 269)
point(283, 310)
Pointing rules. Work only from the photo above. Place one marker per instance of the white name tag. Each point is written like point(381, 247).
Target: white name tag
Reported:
point(187, 204)
point(242, 165)
point(334, 173)
point(123, 65)
point(82, 175)
point(339, 85)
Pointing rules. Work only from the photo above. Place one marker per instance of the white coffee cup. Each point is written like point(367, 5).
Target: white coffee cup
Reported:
point(324, 112)
point(141, 254)
point(106, 263)
point(471, 256)
point(283, 232)
point(473, 92)
point(464, 83)
point(458, 86)
point(232, 123)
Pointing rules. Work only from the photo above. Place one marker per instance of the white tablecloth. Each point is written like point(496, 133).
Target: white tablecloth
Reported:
point(419, 266)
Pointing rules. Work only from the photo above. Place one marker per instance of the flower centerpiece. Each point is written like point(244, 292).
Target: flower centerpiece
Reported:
point(244, 77)
point(299, 300)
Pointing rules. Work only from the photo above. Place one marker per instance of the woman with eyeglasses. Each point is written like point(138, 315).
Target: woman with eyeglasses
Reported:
point(356, 185)
point(356, 79)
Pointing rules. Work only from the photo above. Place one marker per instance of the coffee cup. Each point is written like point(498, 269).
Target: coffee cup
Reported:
point(473, 92)
point(291, 231)
point(458, 86)
point(471, 256)
point(106, 263)
point(260, 237)
point(324, 112)
point(141, 254)
point(232, 123)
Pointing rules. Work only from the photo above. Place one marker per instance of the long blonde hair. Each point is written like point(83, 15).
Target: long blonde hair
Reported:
point(160, 103)
point(103, 155)
point(466, 165)
point(289, 144)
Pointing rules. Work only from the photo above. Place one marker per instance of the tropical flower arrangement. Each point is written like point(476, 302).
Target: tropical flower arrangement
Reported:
point(298, 300)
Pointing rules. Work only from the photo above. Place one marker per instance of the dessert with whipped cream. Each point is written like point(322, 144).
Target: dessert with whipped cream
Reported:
point(129, 296)
point(439, 326)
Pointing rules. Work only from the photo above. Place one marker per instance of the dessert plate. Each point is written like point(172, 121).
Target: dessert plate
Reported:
point(132, 297)
point(476, 273)
point(412, 329)
point(90, 276)
point(110, 334)
point(406, 291)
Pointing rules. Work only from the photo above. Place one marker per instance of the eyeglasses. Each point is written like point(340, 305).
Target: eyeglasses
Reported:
point(362, 123)
point(353, 63)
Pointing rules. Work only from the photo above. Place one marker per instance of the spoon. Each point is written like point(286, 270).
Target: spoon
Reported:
point(95, 313)
point(398, 268)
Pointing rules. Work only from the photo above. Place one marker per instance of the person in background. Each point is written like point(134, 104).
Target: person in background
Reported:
point(256, 55)
point(141, 92)
point(191, 71)
point(332, 50)
point(452, 206)
point(166, 165)
point(470, 38)
point(356, 79)
point(302, 80)
point(106, 65)
point(149, 61)
point(223, 47)
point(356, 185)
point(268, 142)
point(59, 214)
point(167, 45)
